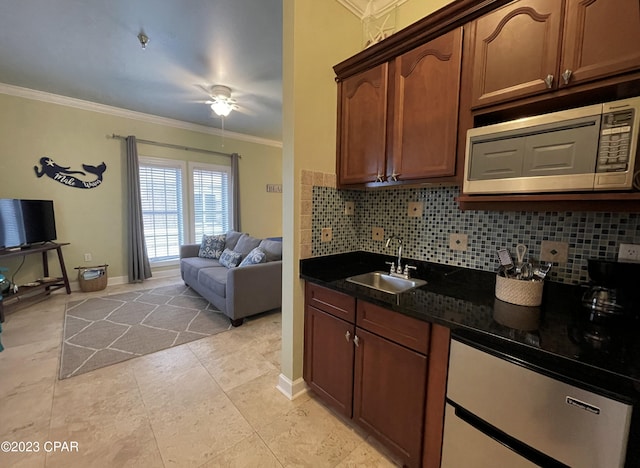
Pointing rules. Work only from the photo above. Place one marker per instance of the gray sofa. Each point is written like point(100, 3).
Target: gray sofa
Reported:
point(239, 291)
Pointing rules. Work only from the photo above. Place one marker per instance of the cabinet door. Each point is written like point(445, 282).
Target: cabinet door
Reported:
point(328, 358)
point(426, 90)
point(389, 394)
point(515, 49)
point(601, 38)
point(362, 126)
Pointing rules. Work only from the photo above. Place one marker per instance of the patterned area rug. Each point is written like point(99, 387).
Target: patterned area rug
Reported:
point(101, 331)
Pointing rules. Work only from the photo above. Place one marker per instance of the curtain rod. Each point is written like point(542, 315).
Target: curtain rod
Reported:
point(169, 145)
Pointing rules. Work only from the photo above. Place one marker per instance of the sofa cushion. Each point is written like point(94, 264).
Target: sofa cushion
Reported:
point(230, 258)
point(272, 248)
point(246, 244)
point(212, 246)
point(191, 265)
point(232, 239)
point(214, 279)
point(254, 257)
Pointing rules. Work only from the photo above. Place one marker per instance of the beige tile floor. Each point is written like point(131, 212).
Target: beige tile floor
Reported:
point(208, 403)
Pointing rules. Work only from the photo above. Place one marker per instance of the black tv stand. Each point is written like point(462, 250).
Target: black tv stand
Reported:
point(30, 294)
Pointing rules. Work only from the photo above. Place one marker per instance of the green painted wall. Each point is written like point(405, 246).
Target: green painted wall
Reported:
point(93, 220)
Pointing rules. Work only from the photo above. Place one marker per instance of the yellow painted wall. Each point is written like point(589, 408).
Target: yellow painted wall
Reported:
point(93, 220)
point(413, 10)
point(317, 35)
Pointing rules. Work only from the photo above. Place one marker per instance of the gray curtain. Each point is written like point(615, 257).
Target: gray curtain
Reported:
point(138, 263)
point(235, 191)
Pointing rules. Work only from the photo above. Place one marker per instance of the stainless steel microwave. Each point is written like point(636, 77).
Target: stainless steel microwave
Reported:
point(588, 148)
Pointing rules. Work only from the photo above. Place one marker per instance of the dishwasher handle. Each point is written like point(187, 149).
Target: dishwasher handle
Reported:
point(513, 444)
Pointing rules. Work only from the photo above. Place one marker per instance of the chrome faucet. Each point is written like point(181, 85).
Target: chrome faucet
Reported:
point(399, 265)
point(398, 270)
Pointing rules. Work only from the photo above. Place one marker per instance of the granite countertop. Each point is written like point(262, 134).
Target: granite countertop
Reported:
point(554, 338)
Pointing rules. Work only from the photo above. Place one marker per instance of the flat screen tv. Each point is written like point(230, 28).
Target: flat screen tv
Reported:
point(26, 222)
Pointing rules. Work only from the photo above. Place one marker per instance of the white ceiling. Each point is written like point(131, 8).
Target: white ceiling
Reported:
point(89, 50)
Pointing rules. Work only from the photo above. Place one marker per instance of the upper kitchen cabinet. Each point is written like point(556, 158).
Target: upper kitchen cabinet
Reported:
point(532, 46)
point(601, 38)
point(425, 123)
point(362, 114)
point(397, 122)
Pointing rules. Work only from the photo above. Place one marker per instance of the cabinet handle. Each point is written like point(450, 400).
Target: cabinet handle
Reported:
point(347, 336)
point(356, 340)
point(394, 176)
point(549, 81)
point(380, 177)
point(566, 76)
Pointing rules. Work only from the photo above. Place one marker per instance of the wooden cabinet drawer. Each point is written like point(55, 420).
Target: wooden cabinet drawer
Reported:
point(333, 302)
point(402, 329)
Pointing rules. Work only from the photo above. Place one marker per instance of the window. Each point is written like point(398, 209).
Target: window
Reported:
point(163, 189)
point(211, 200)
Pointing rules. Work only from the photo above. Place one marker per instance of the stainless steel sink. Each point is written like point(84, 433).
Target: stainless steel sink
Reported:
point(385, 282)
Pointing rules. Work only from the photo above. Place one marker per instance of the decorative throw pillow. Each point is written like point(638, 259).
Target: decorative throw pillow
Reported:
point(254, 257)
point(272, 248)
point(232, 239)
point(246, 244)
point(212, 246)
point(230, 259)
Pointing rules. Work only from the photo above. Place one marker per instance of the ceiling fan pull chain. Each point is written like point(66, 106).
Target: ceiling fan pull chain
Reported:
point(222, 118)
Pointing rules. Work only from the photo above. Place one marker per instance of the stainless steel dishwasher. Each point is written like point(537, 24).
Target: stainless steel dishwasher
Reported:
point(501, 414)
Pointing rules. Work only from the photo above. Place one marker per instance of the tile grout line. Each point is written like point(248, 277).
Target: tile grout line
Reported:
point(147, 416)
point(56, 380)
point(255, 431)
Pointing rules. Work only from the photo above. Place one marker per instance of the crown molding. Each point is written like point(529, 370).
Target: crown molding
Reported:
point(359, 7)
point(35, 95)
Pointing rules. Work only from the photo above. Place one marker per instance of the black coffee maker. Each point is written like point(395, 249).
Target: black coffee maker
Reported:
point(614, 290)
point(608, 317)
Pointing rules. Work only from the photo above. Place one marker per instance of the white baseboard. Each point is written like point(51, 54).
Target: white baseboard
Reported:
point(291, 389)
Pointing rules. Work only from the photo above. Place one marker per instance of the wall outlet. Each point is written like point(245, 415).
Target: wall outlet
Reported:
point(87, 257)
point(349, 208)
point(629, 253)
point(327, 234)
point(415, 209)
point(458, 241)
point(554, 252)
point(377, 233)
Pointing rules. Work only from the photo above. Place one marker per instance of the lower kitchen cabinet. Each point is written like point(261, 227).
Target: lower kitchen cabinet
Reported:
point(389, 394)
point(374, 367)
point(328, 358)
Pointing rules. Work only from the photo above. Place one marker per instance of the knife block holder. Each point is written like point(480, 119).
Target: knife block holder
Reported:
point(519, 292)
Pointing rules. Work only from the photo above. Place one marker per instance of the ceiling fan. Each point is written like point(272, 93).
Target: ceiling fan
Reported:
point(221, 102)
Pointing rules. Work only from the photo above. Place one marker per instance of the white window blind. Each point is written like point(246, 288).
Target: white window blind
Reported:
point(162, 210)
point(211, 200)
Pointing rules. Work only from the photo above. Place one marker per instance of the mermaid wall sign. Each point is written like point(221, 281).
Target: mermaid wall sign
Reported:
point(77, 179)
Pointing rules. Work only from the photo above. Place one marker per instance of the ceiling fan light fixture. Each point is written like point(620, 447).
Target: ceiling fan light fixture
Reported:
point(221, 104)
point(221, 108)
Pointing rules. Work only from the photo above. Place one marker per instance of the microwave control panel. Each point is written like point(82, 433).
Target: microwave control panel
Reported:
point(615, 138)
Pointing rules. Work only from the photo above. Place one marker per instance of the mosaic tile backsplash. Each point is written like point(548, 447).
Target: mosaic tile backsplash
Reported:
point(426, 237)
